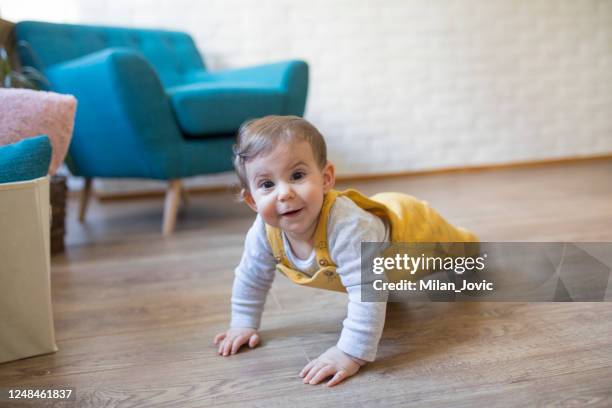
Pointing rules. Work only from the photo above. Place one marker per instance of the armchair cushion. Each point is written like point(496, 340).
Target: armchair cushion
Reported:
point(221, 107)
point(287, 77)
point(25, 160)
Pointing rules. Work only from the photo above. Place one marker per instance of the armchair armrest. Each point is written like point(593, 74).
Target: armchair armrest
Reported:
point(124, 118)
point(289, 76)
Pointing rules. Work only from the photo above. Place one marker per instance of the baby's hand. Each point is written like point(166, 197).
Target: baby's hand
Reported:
point(333, 362)
point(231, 340)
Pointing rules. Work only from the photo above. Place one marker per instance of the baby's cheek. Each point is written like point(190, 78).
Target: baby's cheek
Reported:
point(270, 217)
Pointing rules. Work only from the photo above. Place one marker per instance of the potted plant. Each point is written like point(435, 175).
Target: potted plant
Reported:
point(24, 77)
point(30, 78)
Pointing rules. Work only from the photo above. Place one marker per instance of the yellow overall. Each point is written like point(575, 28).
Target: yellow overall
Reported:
point(410, 220)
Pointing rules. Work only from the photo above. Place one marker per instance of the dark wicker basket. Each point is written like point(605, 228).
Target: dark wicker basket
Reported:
point(58, 192)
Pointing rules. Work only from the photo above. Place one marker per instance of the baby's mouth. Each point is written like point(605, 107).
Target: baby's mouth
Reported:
point(292, 213)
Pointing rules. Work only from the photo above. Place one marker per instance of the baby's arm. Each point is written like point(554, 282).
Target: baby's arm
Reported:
point(253, 278)
point(364, 323)
point(357, 344)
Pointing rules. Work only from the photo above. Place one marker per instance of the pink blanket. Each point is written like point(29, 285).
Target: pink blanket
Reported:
point(26, 113)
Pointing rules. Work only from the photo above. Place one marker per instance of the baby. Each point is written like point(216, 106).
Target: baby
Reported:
point(312, 234)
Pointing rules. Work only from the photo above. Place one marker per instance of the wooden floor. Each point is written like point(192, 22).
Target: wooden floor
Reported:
point(135, 313)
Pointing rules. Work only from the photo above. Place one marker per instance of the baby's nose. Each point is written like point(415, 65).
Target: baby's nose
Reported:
point(285, 192)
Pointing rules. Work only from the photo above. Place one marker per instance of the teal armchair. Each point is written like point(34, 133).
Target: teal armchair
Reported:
point(147, 105)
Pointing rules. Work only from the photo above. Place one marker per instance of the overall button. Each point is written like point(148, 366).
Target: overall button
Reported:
point(328, 273)
point(323, 262)
point(278, 259)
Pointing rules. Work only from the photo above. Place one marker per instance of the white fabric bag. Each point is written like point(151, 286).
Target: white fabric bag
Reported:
point(26, 317)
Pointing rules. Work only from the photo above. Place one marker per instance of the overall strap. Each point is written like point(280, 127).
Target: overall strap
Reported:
point(320, 244)
point(276, 244)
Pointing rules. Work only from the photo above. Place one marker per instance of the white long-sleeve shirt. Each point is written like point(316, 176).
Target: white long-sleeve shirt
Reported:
point(348, 225)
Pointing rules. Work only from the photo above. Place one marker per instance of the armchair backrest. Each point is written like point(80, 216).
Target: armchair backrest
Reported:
point(171, 53)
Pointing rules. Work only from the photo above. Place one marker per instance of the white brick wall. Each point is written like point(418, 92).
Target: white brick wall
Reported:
point(407, 85)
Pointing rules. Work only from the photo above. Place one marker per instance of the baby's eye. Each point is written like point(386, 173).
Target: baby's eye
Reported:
point(298, 175)
point(266, 184)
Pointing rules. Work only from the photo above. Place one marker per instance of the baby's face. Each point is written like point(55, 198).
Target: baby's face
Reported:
point(287, 188)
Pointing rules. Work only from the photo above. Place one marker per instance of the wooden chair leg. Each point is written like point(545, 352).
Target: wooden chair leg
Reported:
point(173, 199)
point(85, 197)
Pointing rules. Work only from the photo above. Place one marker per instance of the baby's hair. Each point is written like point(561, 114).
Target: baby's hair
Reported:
point(260, 136)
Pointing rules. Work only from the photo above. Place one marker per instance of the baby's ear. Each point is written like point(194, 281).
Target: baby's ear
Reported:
point(329, 176)
point(248, 198)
